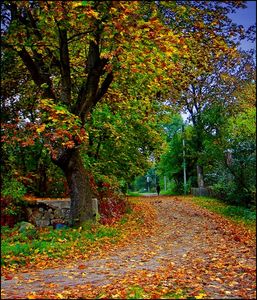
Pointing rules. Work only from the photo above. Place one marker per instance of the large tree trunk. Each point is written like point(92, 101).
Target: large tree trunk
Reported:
point(78, 181)
point(92, 89)
point(200, 180)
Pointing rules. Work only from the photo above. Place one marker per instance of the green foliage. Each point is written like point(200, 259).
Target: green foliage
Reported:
point(171, 161)
point(12, 203)
point(230, 151)
point(176, 188)
point(13, 189)
point(133, 194)
point(119, 143)
point(32, 166)
point(138, 185)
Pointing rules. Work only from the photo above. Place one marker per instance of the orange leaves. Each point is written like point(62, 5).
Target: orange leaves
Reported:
point(170, 249)
point(59, 127)
point(69, 144)
point(32, 296)
point(81, 267)
point(41, 128)
point(92, 13)
point(8, 277)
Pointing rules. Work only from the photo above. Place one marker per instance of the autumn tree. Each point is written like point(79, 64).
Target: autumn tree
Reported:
point(71, 54)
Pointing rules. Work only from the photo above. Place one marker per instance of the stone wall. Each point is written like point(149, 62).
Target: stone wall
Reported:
point(43, 213)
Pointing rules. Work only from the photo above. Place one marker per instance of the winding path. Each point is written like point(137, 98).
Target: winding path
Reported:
point(202, 251)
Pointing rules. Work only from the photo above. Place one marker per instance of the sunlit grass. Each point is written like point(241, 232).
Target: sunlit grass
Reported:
point(134, 194)
point(239, 214)
point(17, 247)
point(32, 245)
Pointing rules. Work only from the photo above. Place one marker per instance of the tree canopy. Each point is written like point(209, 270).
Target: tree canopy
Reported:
point(85, 79)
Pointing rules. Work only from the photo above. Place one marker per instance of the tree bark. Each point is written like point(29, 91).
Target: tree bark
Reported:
point(81, 208)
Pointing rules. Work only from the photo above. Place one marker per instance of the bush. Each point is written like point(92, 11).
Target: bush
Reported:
point(231, 193)
point(111, 209)
point(13, 189)
point(12, 203)
point(112, 204)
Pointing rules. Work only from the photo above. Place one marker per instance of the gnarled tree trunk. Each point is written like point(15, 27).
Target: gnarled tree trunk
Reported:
point(78, 181)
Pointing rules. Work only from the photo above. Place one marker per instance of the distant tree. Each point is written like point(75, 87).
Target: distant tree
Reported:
point(230, 147)
point(208, 25)
point(210, 92)
point(171, 160)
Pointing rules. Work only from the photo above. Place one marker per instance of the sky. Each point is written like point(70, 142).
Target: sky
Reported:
point(246, 17)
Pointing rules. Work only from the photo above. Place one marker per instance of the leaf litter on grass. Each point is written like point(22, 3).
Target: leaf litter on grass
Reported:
point(179, 251)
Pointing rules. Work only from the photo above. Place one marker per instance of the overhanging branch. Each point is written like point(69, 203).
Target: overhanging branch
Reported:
point(104, 87)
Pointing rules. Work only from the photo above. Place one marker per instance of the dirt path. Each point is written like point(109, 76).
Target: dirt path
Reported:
point(197, 249)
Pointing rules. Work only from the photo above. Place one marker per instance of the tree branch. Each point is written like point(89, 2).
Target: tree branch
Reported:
point(35, 72)
point(104, 87)
point(78, 35)
point(38, 34)
point(87, 94)
point(64, 66)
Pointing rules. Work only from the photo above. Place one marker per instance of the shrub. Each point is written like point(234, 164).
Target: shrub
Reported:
point(230, 192)
point(13, 189)
point(11, 201)
point(111, 209)
point(112, 204)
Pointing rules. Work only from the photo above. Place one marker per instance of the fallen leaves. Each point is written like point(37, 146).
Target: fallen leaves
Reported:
point(81, 267)
point(193, 254)
point(32, 295)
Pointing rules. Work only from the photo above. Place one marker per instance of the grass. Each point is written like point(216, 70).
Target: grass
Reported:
point(39, 244)
point(168, 193)
point(134, 194)
point(180, 294)
point(239, 214)
point(17, 247)
point(136, 292)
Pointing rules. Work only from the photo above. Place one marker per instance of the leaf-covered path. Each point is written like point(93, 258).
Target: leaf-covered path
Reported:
point(190, 253)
